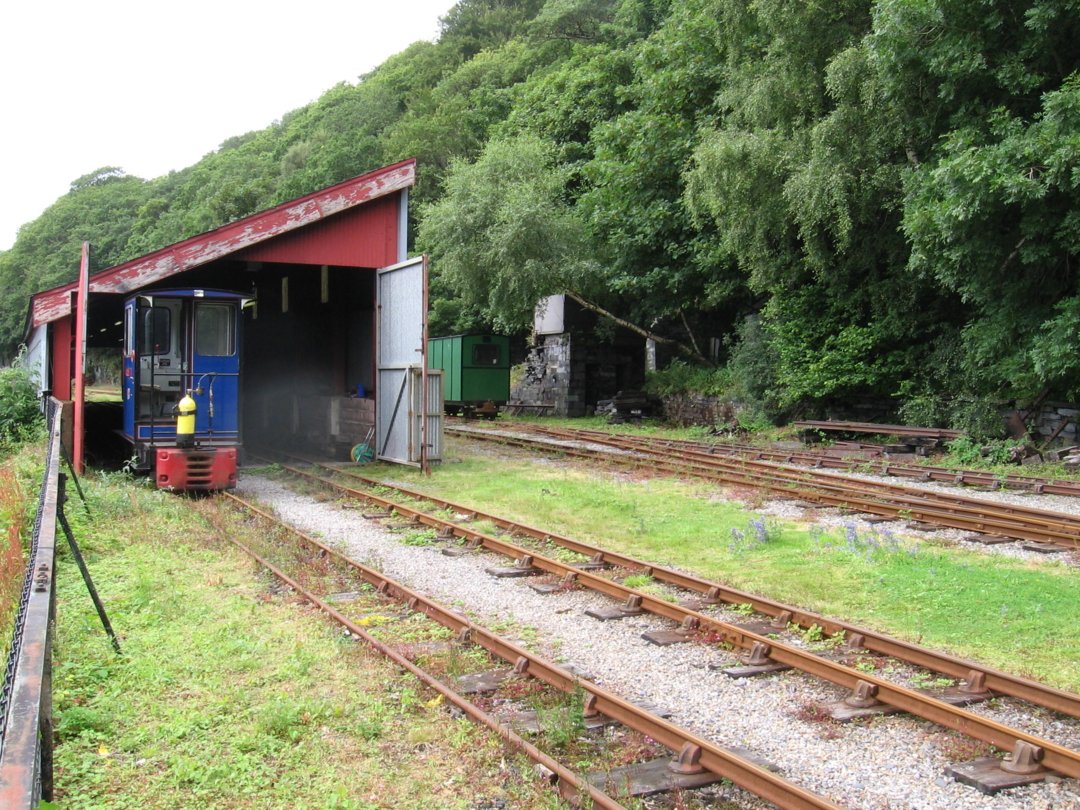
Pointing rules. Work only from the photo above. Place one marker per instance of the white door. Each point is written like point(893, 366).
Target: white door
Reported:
point(401, 298)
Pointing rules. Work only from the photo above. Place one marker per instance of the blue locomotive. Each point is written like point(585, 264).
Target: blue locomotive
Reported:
point(181, 386)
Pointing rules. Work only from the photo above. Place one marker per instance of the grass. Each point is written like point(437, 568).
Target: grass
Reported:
point(103, 393)
point(1010, 614)
point(648, 428)
point(1045, 469)
point(19, 482)
point(230, 694)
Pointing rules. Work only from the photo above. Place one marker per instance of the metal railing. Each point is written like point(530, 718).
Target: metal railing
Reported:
point(26, 721)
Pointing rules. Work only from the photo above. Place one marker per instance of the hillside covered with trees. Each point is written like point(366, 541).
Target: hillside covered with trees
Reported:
point(861, 198)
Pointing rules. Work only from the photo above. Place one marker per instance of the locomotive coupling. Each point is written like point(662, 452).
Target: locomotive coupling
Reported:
point(185, 421)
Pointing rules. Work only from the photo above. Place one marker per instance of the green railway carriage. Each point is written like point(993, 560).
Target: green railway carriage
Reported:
point(476, 371)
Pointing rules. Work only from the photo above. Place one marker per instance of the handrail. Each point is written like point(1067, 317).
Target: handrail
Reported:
point(26, 721)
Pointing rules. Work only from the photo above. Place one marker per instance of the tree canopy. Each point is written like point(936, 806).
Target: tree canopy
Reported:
point(863, 197)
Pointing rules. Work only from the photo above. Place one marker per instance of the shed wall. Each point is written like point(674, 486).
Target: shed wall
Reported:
point(363, 237)
point(36, 360)
point(61, 358)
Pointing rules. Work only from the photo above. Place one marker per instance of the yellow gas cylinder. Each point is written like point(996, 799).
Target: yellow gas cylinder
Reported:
point(185, 422)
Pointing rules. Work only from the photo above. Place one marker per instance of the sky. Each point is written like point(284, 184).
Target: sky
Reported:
point(152, 87)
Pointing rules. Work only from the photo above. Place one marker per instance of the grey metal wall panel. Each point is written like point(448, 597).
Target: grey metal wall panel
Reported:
point(401, 318)
point(36, 360)
point(434, 417)
point(392, 415)
point(430, 409)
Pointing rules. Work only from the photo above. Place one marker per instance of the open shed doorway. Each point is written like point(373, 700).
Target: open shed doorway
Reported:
point(309, 360)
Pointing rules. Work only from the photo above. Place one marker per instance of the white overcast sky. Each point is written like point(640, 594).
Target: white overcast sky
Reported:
point(151, 87)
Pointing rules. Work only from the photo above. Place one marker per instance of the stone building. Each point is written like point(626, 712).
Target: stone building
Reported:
point(577, 359)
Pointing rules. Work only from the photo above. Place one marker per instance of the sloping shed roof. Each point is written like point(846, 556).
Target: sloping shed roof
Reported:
point(243, 239)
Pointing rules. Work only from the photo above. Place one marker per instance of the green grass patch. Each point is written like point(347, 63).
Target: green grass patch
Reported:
point(1011, 614)
point(228, 695)
point(648, 428)
point(19, 482)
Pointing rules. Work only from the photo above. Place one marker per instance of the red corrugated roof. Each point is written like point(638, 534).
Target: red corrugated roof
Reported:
point(238, 236)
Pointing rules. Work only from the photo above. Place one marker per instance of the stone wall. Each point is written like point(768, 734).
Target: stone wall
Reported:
point(695, 409)
point(575, 371)
point(1051, 416)
point(547, 375)
point(1044, 422)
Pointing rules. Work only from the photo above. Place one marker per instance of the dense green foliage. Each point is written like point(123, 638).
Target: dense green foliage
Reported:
point(681, 378)
point(865, 197)
point(20, 414)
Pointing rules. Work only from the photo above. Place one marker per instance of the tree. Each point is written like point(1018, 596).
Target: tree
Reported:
point(801, 176)
point(886, 190)
point(663, 266)
point(20, 411)
point(566, 102)
point(472, 26)
point(454, 118)
point(988, 103)
point(101, 209)
point(502, 236)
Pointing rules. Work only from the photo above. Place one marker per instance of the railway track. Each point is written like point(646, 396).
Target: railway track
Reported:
point(867, 690)
point(777, 614)
point(886, 467)
point(869, 427)
point(694, 756)
point(894, 501)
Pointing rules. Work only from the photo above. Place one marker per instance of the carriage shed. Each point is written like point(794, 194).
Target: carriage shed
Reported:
point(333, 342)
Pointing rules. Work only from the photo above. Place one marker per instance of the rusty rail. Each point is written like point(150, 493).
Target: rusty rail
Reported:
point(1001, 682)
point(917, 472)
point(871, 427)
point(1055, 757)
point(830, 489)
point(26, 746)
point(716, 759)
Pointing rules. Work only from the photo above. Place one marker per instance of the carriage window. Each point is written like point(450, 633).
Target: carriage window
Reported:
point(214, 329)
point(154, 330)
point(485, 354)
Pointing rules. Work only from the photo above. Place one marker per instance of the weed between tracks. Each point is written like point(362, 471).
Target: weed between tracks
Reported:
point(233, 693)
point(956, 747)
point(560, 717)
point(1012, 614)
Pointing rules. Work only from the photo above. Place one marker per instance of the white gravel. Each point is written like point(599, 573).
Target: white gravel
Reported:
point(892, 762)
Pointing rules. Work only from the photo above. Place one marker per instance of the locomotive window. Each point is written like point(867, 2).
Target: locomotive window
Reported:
point(129, 332)
point(154, 330)
point(485, 354)
point(214, 329)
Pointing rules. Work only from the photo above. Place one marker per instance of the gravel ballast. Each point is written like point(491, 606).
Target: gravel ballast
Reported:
point(892, 762)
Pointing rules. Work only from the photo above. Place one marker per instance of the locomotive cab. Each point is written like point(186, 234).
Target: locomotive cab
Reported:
point(183, 347)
